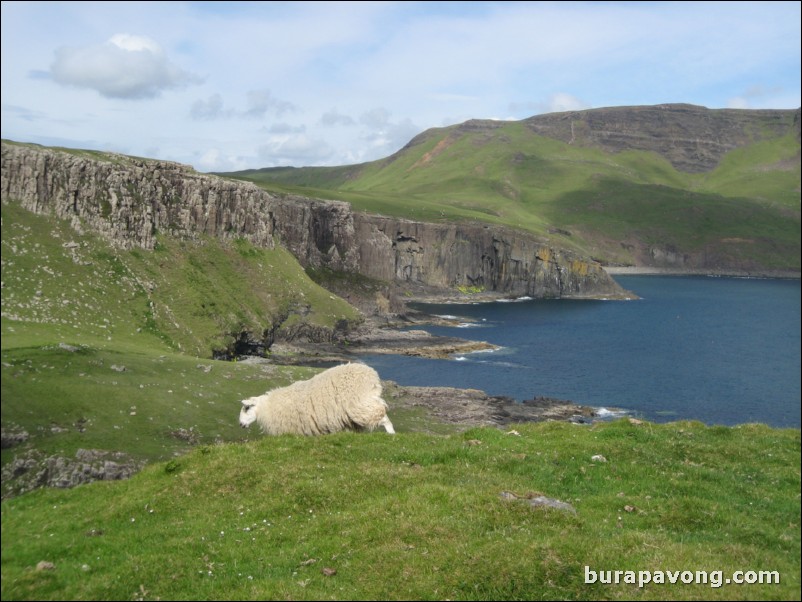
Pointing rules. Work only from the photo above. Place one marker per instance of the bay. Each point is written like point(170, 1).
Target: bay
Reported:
point(719, 350)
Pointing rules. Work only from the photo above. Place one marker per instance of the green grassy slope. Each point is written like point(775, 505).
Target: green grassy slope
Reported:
point(420, 517)
point(110, 349)
point(189, 296)
point(744, 212)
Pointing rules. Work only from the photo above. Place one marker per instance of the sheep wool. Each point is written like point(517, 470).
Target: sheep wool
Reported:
point(346, 397)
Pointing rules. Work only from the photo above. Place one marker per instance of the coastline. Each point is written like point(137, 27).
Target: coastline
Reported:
point(463, 408)
point(724, 273)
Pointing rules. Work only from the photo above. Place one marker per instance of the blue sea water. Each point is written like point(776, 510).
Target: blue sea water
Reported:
point(719, 350)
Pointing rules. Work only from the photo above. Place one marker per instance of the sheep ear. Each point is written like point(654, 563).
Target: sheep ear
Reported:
point(247, 403)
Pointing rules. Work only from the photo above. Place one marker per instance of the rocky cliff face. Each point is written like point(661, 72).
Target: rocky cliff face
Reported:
point(692, 138)
point(129, 200)
point(474, 256)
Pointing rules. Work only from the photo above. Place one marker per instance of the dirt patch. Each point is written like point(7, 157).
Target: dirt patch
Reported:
point(439, 148)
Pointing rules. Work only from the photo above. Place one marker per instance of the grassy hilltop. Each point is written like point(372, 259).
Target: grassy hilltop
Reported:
point(614, 197)
point(417, 516)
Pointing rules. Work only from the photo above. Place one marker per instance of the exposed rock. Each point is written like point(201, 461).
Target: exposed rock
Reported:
point(128, 200)
point(13, 436)
point(471, 407)
point(417, 343)
point(32, 470)
point(692, 138)
point(189, 435)
point(475, 256)
point(538, 500)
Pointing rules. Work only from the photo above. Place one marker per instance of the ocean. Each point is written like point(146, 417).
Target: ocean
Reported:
point(719, 350)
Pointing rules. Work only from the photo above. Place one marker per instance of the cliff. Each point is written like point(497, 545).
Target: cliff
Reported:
point(129, 200)
point(693, 138)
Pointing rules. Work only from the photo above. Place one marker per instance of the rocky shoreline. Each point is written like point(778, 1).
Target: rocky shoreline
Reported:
point(468, 408)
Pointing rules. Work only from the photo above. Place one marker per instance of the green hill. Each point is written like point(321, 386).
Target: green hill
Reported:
point(627, 186)
point(111, 349)
point(419, 517)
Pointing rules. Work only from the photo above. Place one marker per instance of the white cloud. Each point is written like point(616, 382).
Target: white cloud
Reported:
point(737, 102)
point(385, 136)
point(126, 66)
point(762, 97)
point(207, 110)
point(556, 103)
point(258, 104)
point(564, 102)
point(334, 118)
point(285, 128)
point(297, 149)
point(24, 113)
point(358, 79)
point(214, 159)
point(375, 118)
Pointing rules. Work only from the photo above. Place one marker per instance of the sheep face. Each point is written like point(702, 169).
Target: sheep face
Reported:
point(248, 412)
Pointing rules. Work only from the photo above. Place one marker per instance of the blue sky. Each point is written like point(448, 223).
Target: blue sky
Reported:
point(236, 85)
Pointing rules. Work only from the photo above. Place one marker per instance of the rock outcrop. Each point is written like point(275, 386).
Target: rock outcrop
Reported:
point(129, 200)
point(469, 408)
point(692, 138)
point(32, 470)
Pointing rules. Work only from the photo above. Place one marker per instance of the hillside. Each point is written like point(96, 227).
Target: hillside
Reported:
point(665, 186)
point(418, 517)
point(111, 349)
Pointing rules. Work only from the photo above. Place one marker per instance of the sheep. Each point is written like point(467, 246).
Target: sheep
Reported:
point(340, 398)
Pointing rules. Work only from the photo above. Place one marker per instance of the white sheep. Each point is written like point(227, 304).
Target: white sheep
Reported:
point(340, 398)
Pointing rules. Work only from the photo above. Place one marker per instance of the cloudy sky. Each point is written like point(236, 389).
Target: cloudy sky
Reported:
point(236, 85)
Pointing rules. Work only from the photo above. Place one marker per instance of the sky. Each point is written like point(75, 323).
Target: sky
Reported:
point(224, 86)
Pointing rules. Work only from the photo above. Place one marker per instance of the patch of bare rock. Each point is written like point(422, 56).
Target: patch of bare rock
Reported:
point(470, 408)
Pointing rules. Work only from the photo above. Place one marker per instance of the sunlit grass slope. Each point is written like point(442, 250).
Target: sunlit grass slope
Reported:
point(110, 349)
point(413, 516)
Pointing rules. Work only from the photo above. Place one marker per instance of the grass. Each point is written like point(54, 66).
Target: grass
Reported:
point(95, 398)
point(110, 349)
point(505, 174)
point(190, 296)
point(420, 517)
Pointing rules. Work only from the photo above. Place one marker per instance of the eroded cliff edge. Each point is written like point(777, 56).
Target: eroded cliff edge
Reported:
point(129, 200)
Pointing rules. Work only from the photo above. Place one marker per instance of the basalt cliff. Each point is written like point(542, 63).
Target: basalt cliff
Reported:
point(129, 201)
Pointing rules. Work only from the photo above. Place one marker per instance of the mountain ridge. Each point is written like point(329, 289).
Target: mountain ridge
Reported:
point(666, 186)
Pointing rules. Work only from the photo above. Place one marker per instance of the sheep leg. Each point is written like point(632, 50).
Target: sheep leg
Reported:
point(388, 426)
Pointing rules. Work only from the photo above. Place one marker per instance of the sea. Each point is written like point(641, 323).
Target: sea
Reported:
point(715, 349)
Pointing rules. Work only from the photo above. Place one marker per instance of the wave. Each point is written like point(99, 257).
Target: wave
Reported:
point(611, 413)
point(516, 300)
